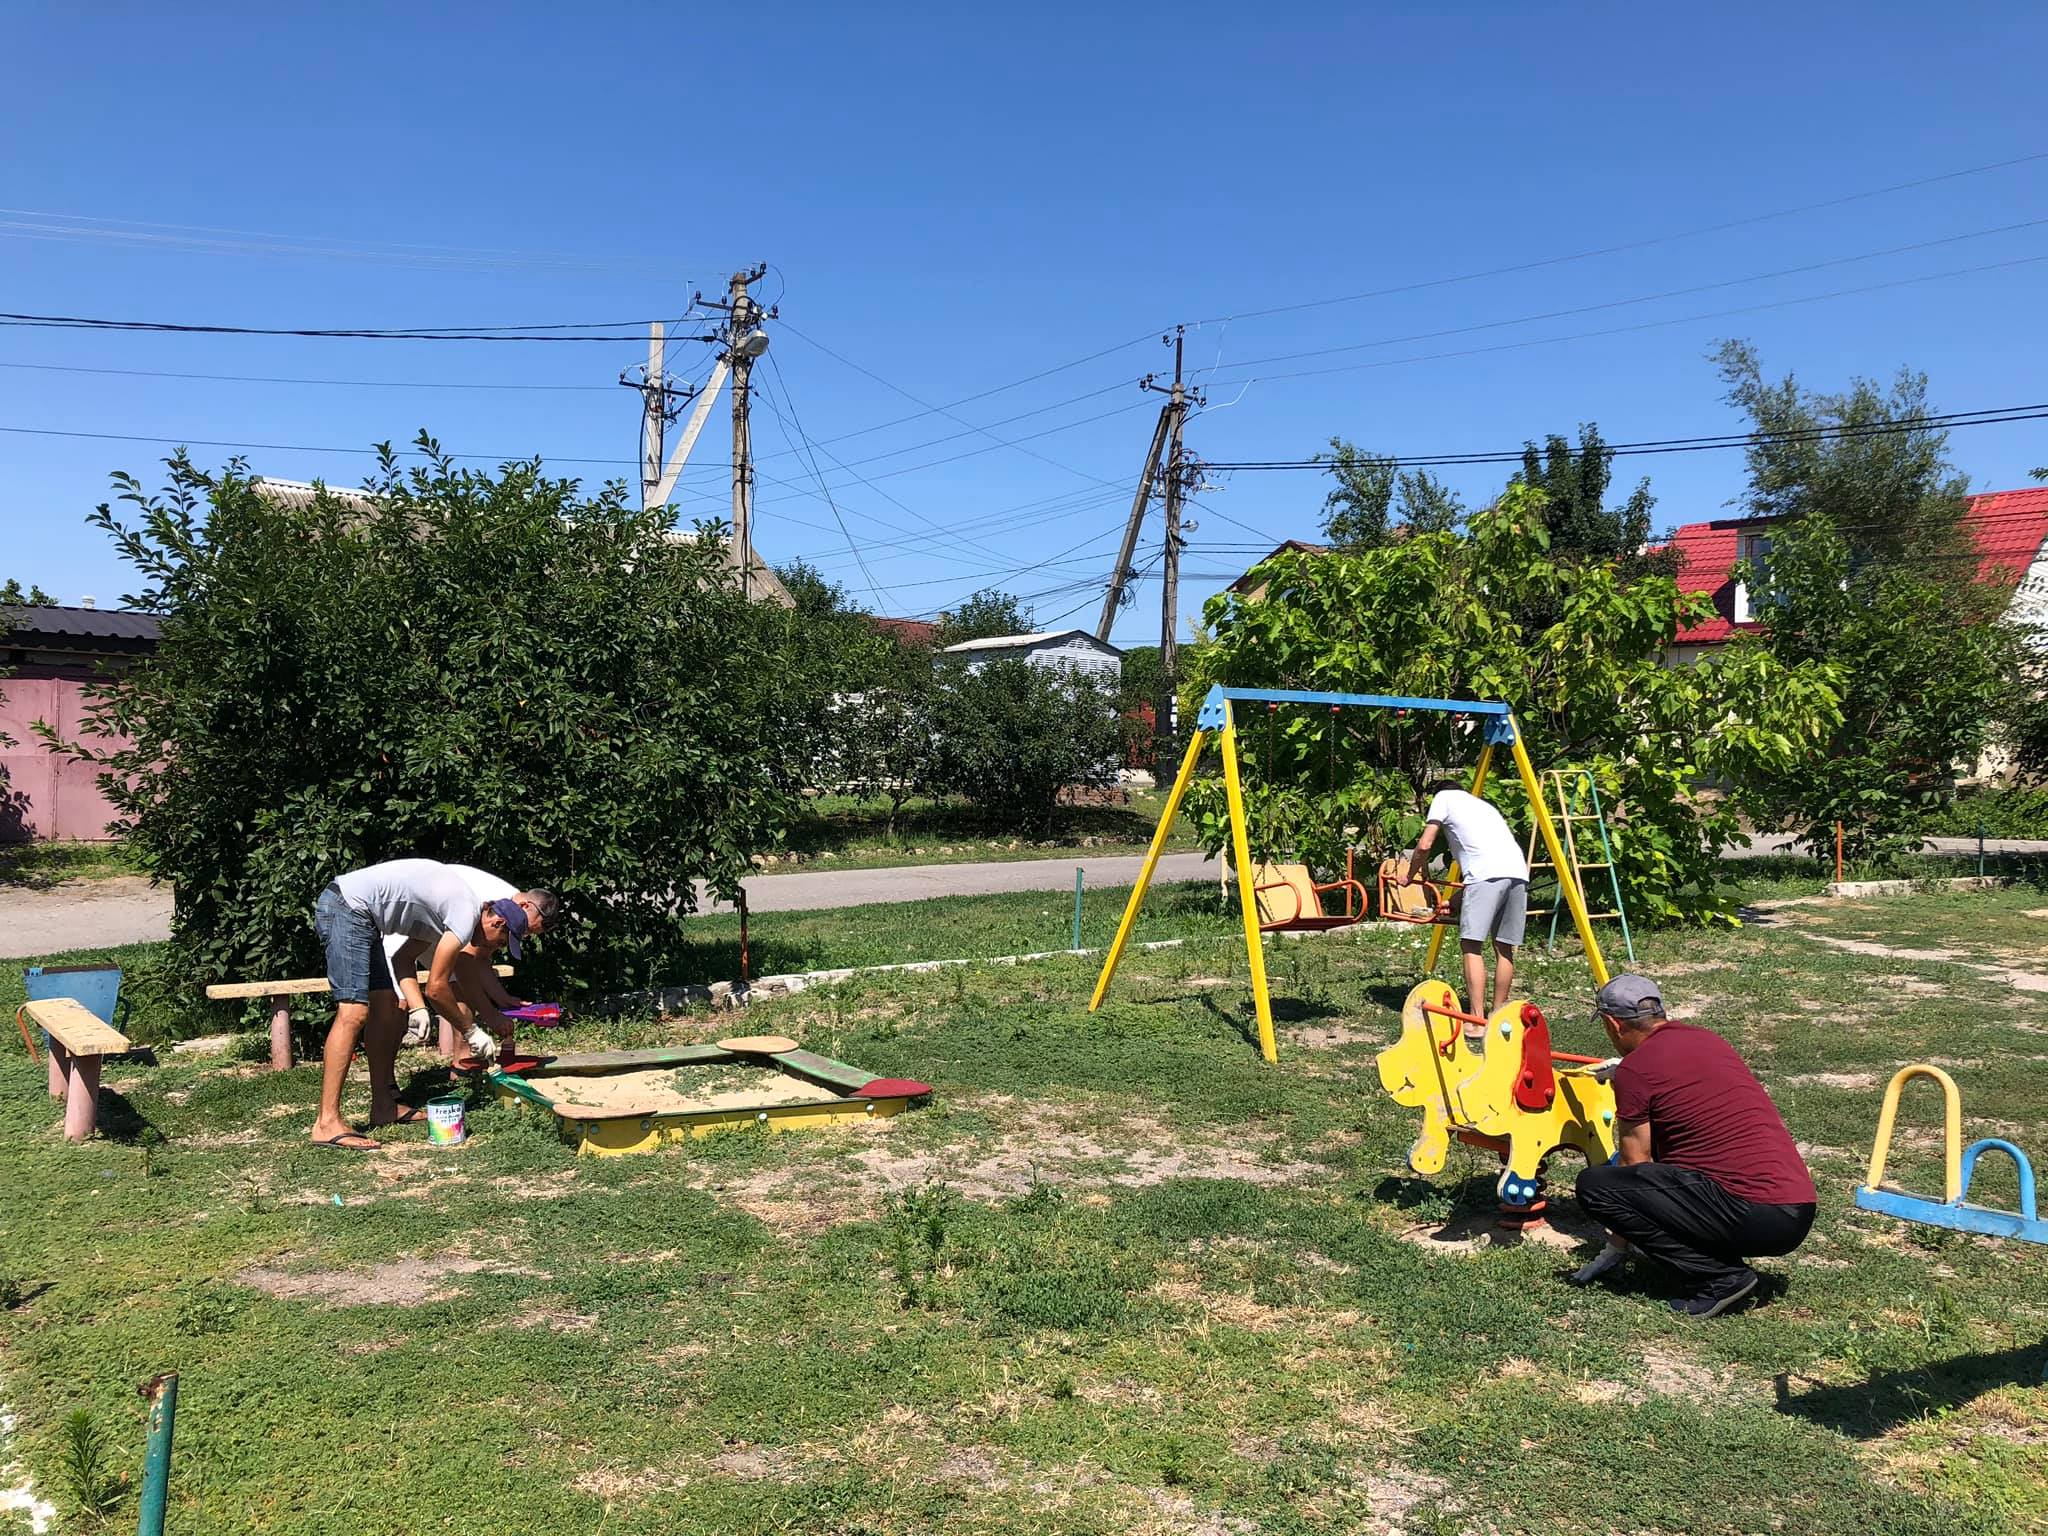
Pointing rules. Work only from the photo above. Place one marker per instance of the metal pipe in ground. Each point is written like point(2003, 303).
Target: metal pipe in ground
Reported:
point(156, 1462)
point(1077, 906)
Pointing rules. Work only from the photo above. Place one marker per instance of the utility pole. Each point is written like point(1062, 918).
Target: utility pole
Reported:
point(742, 343)
point(1179, 475)
point(661, 399)
point(1113, 599)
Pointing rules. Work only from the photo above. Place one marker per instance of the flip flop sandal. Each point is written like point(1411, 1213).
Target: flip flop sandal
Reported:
point(341, 1143)
point(412, 1114)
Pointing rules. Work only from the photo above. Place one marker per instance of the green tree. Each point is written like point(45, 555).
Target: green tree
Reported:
point(886, 736)
point(1013, 735)
point(12, 596)
point(1575, 482)
point(491, 668)
point(1357, 509)
point(816, 596)
point(982, 616)
point(1434, 616)
point(1427, 505)
point(1870, 571)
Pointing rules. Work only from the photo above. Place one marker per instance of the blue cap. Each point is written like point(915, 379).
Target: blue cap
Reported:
point(515, 922)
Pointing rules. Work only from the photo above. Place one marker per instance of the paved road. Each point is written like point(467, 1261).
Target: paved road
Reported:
point(95, 914)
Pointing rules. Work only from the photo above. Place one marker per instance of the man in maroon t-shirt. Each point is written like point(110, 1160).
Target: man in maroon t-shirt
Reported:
point(1705, 1174)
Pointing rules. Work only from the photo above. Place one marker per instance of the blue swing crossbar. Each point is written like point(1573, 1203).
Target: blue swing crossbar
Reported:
point(1499, 729)
point(1958, 1214)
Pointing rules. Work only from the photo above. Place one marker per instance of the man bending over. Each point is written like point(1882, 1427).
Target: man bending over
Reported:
point(1496, 880)
point(419, 899)
point(1705, 1174)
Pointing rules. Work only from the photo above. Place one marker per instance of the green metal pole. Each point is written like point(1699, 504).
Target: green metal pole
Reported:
point(156, 1465)
point(1077, 906)
point(1980, 850)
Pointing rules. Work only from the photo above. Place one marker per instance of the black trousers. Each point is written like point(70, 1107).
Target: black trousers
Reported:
point(1684, 1219)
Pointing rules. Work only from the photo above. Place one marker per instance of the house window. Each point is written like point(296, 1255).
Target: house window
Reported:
point(1752, 547)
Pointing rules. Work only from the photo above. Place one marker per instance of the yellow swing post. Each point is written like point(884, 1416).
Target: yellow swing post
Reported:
point(1144, 881)
point(1248, 896)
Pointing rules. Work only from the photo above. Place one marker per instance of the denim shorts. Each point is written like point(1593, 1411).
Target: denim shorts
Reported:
point(1496, 910)
point(356, 966)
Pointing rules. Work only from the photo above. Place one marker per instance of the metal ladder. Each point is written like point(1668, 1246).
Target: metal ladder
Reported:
point(1578, 804)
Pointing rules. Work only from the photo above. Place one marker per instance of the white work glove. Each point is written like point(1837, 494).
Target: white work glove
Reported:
point(1603, 1071)
point(1610, 1257)
point(419, 1027)
point(482, 1044)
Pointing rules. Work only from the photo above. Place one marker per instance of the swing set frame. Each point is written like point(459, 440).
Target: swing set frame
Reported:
point(1497, 729)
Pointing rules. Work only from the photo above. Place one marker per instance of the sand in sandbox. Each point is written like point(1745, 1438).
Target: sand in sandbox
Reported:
point(681, 1090)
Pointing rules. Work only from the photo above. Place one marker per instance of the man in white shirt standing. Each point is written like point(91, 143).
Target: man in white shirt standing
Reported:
point(1496, 881)
point(421, 900)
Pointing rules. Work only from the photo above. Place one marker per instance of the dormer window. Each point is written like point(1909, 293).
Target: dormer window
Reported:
point(1754, 547)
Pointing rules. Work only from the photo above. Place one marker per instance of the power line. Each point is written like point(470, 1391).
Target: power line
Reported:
point(1944, 421)
point(1646, 325)
point(1648, 298)
point(1629, 245)
point(874, 590)
point(260, 378)
point(545, 331)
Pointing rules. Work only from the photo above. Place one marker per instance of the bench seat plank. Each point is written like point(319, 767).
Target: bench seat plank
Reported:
point(223, 990)
point(72, 1026)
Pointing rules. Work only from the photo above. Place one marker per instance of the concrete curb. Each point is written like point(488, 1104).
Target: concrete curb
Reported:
point(1851, 889)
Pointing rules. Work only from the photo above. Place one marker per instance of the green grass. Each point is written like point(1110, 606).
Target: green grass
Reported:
point(845, 832)
point(1120, 1276)
point(37, 866)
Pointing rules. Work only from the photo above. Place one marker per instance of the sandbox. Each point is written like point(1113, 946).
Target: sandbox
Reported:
point(611, 1102)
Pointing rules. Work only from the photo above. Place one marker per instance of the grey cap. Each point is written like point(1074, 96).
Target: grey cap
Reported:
point(1631, 997)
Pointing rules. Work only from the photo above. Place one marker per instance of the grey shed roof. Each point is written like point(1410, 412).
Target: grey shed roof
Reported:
point(87, 631)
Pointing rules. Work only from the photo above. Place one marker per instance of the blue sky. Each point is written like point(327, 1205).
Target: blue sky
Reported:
point(954, 198)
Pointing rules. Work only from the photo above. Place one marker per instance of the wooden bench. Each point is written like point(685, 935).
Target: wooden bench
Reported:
point(278, 994)
point(78, 1039)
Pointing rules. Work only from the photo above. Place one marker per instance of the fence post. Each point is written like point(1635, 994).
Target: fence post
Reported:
point(1838, 853)
point(1077, 906)
point(1980, 849)
point(156, 1464)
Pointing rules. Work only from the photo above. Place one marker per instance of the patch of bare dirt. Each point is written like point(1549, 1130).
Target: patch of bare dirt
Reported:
point(1144, 1151)
point(1565, 1230)
point(400, 1283)
point(1183, 1517)
point(1832, 1080)
point(203, 1045)
point(1238, 1310)
point(1395, 1493)
point(759, 1463)
point(1670, 1372)
point(1324, 1037)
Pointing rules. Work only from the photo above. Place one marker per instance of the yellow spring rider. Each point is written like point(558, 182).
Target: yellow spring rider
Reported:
point(1515, 1096)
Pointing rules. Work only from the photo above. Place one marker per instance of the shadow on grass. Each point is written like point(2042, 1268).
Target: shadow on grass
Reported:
point(1888, 1399)
point(121, 1121)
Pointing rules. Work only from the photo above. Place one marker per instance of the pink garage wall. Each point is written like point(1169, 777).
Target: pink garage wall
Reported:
point(42, 795)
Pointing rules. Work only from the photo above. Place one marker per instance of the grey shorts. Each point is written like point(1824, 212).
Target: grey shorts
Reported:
point(1496, 910)
point(356, 966)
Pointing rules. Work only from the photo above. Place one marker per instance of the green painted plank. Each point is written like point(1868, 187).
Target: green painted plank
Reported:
point(823, 1070)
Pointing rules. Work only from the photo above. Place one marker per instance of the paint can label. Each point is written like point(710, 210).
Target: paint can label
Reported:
point(444, 1122)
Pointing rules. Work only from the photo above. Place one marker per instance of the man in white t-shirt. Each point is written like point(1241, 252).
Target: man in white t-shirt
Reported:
point(476, 982)
point(416, 898)
point(1496, 882)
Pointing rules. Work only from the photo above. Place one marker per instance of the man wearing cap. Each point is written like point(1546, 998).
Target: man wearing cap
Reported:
point(475, 980)
point(1495, 876)
point(421, 900)
point(1705, 1175)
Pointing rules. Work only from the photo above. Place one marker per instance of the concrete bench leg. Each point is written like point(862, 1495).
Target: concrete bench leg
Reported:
point(82, 1100)
point(57, 1057)
point(280, 1034)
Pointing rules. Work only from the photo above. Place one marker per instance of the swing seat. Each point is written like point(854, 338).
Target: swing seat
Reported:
point(1291, 900)
point(1423, 902)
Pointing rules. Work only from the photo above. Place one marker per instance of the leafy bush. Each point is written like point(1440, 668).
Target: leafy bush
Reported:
point(489, 669)
point(1012, 735)
point(2017, 811)
point(1435, 616)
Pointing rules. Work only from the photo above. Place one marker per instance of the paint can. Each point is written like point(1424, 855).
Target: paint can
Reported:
point(444, 1122)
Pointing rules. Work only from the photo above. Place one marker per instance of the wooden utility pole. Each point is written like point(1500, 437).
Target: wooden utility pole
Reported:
point(1119, 579)
point(741, 335)
point(1177, 474)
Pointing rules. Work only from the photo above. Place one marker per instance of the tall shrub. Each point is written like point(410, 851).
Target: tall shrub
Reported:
point(1012, 735)
point(1435, 616)
point(488, 668)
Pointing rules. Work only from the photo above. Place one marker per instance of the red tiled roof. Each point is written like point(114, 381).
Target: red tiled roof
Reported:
point(906, 631)
point(2006, 526)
